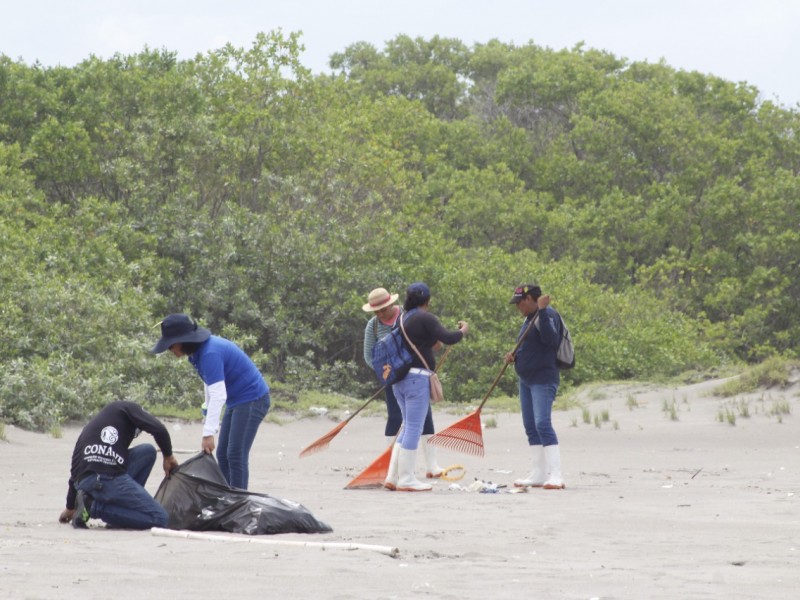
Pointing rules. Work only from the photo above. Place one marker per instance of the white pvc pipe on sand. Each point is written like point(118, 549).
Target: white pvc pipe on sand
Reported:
point(211, 537)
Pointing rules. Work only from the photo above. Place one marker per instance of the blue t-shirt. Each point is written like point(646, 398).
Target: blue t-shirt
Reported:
point(218, 359)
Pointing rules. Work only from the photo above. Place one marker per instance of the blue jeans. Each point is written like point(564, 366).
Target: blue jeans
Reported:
point(536, 402)
point(395, 417)
point(414, 398)
point(236, 435)
point(121, 500)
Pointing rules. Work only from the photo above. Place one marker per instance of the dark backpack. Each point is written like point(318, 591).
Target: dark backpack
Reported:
point(391, 358)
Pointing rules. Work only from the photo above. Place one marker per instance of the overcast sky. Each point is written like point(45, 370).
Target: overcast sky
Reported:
point(757, 41)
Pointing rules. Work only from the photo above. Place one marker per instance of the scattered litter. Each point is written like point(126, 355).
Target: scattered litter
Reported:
point(475, 486)
point(480, 486)
point(319, 410)
point(453, 473)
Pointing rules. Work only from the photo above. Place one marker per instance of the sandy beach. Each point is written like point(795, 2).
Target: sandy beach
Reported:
point(663, 500)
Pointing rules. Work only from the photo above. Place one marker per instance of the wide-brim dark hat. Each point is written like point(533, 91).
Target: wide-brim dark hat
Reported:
point(179, 328)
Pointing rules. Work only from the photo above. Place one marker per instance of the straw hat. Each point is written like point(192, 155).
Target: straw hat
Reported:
point(379, 298)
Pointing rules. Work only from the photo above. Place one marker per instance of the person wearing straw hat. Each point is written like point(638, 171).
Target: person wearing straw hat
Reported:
point(230, 379)
point(413, 391)
point(386, 311)
point(539, 378)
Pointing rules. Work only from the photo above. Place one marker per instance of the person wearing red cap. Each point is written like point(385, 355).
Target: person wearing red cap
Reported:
point(539, 378)
point(386, 311)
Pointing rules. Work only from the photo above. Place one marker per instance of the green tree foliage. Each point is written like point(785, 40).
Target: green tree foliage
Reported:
point(415, 69)
point(76, 319)
point(658, 207)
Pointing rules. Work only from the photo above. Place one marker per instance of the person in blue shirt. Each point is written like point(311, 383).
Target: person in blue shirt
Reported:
point(230, 379)
point(535, 363)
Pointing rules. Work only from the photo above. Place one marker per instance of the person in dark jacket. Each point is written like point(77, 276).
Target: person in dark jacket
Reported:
point(535, 363)
point(108, 475)
point(413, 391)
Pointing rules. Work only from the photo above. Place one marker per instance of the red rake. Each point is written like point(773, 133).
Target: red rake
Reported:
point(466, 435)
point(323, 442)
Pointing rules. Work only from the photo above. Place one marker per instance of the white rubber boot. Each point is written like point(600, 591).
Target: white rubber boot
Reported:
point(407, 481)
point(433, 470)
point(390, 483)
point(555, 481)
point(538, 475)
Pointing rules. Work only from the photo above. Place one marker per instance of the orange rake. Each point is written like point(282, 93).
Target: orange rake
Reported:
point(323, 442)
point(466, 435)
point(375, 474)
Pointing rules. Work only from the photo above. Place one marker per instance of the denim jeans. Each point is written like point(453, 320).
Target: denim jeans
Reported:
point(414, 398)
point(236, 435)
point(536, 402)
point(121, 500)
point(395, 417)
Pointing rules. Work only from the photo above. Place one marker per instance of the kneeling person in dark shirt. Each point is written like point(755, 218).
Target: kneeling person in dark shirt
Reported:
point(108, 476)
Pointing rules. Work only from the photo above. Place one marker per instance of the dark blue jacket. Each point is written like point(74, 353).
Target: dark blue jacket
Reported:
point(535, 361)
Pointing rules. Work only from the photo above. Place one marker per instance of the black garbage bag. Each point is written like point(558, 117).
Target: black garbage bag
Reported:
point(197, 497)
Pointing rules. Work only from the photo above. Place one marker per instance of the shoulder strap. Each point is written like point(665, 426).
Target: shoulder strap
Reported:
point(534, 322)
point(410, 343)
point(564, 330)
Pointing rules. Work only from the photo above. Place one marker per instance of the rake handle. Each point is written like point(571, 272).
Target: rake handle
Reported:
point(505, 365)
point(441, 360)
point(494, 384)
point(363, 406)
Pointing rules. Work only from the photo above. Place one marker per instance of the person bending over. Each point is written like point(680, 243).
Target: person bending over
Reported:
point(108, 475)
